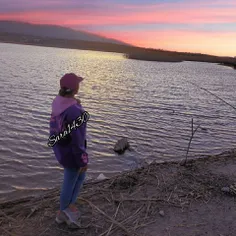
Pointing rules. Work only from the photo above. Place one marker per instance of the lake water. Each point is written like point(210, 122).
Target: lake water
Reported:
point(149, 102)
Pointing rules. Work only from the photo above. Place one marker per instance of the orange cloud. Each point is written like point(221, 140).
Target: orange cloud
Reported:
point(216, 43)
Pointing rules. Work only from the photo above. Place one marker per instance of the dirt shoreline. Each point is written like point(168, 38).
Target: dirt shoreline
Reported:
point(161, 199)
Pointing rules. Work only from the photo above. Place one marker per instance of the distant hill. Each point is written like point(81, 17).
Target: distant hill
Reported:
point(52, 31)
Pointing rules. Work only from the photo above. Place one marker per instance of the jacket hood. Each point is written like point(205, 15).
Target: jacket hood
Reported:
point(60, 104)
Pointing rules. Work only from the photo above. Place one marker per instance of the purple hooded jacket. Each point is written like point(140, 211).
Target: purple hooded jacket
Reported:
point(68, 132)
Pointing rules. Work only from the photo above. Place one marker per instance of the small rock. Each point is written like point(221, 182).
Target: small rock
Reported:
point(225, 189)
point(161, 213)
point(101, 177)
point(121, 145)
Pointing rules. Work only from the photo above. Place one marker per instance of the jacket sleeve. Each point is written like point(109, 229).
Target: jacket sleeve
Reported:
point(77, 121)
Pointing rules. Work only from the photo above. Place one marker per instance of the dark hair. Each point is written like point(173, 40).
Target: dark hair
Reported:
point(65, 91)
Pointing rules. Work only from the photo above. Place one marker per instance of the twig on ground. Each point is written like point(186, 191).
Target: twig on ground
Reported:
point(155, 176)
point(163, 179)
point(149, 204)
point(125, 220)
point(8, 217)
point(171, 194)
point(46, 230)
point(112, 198)
point(9, 233)
point(107, 216)
point(107, 199)
point(135, 192)
point(143, 225)
point(114, 218)
point(32, 212)
point(147, 199)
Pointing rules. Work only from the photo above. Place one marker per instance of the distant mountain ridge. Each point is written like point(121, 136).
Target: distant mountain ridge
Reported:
point(54, 36)
point(52, 31)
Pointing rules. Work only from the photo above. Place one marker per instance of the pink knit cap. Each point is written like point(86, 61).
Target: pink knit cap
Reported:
point(70, 81)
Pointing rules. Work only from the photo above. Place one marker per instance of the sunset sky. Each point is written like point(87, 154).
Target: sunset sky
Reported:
point(205, 26)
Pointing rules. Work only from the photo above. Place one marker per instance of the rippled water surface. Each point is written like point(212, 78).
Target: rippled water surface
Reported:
point(149, 102)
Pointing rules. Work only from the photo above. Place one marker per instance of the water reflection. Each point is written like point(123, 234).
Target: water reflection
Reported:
point(150, 103)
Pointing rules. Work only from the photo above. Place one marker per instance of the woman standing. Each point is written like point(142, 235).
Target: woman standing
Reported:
point(68, 139)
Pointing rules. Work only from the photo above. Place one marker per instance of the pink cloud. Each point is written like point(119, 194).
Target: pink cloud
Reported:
point(147, 15)
point(184, 12)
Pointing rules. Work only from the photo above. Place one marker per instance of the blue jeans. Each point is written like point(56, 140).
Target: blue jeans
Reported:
point(72, 183)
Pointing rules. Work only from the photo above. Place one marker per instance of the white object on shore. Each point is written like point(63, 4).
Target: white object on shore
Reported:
point(162, 213)
point(101, 177)
point(148, 162)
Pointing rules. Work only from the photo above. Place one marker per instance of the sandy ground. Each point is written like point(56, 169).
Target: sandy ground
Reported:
point(165, 199)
